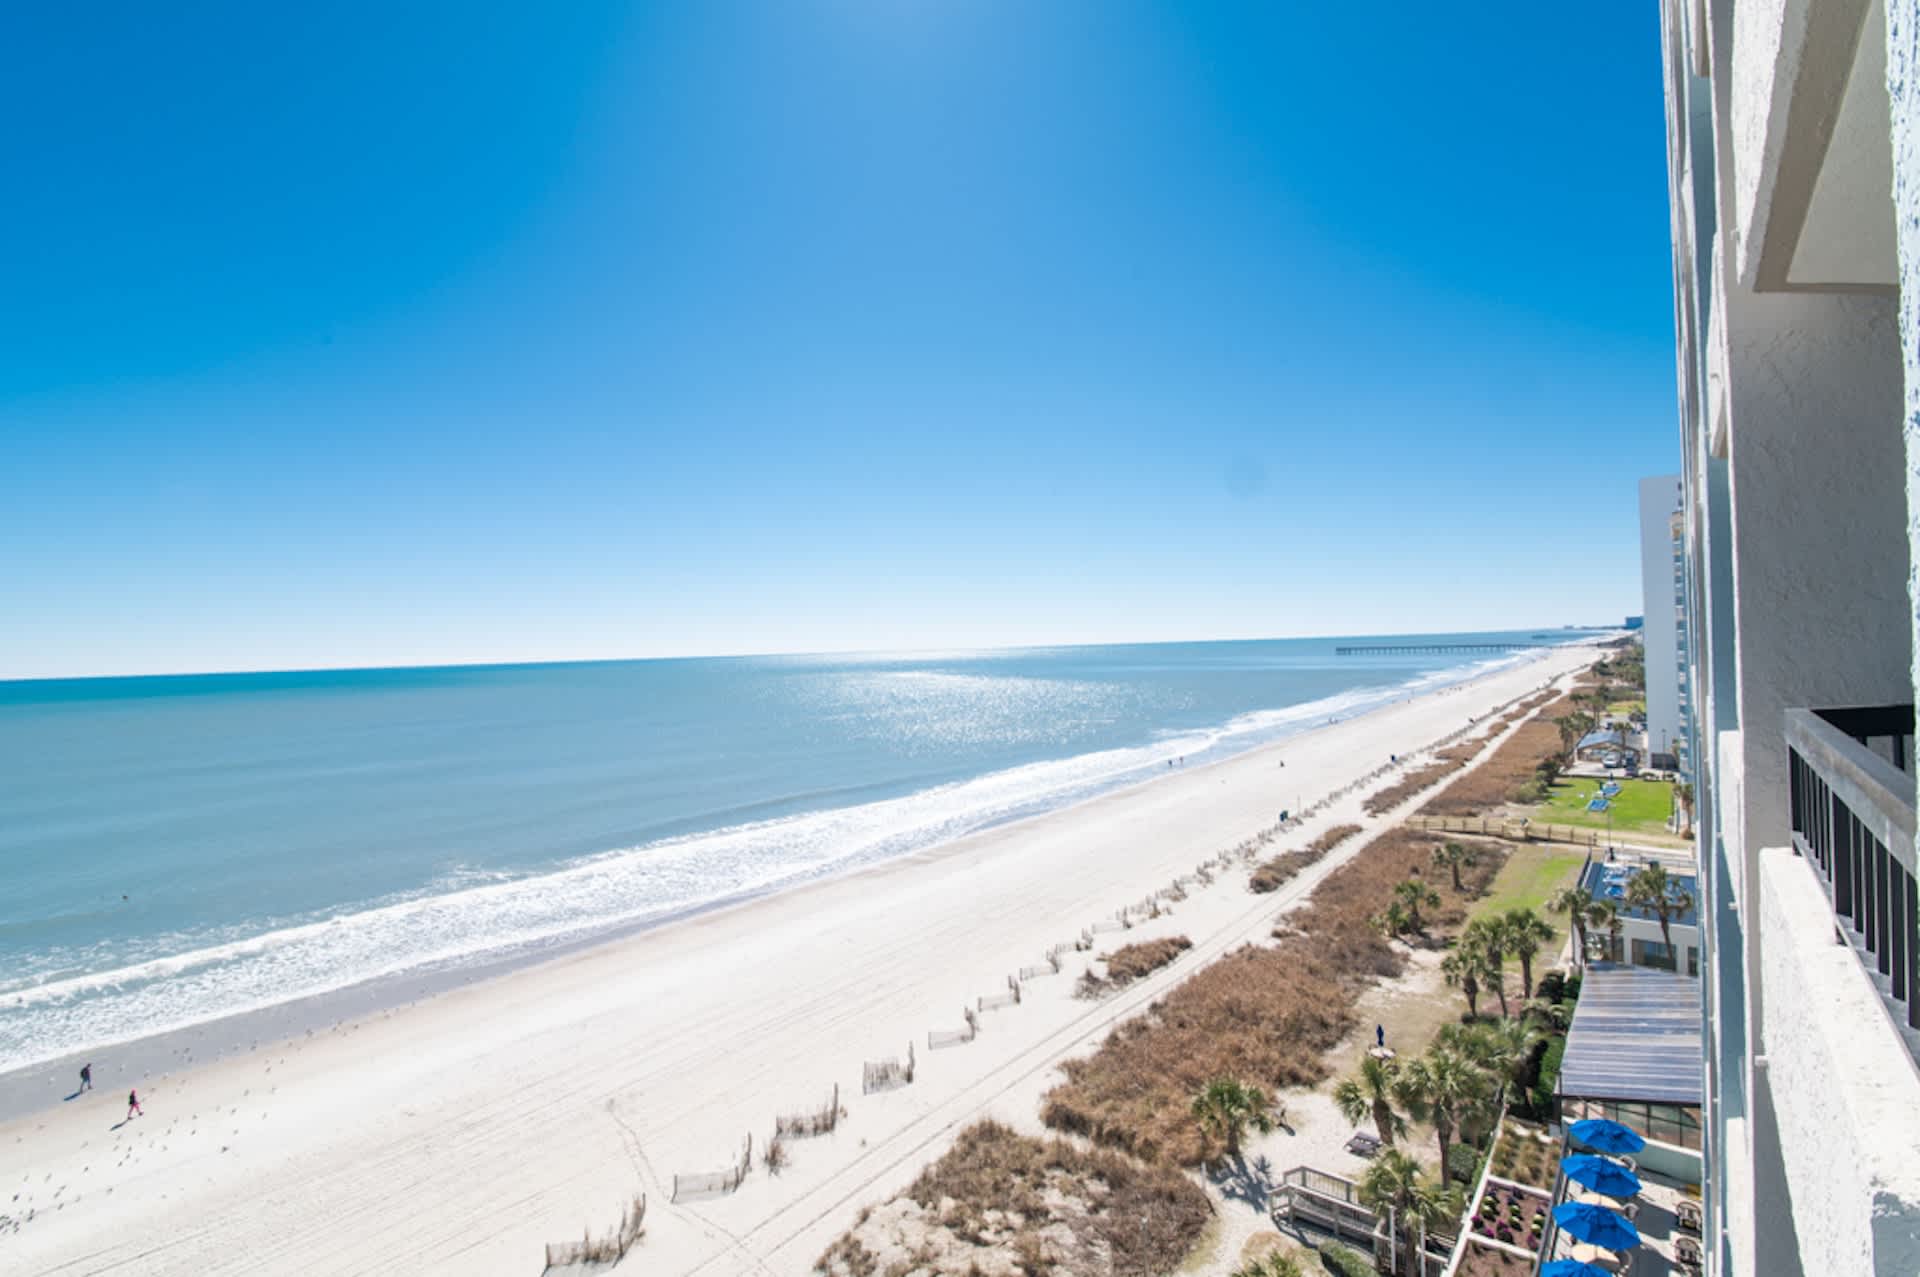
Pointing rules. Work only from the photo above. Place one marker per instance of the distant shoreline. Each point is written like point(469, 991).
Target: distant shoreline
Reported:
point(603, 1071)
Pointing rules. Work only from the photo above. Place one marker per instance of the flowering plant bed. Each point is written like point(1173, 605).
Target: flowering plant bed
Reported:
point(1511, 1214)
point(1486, 1261)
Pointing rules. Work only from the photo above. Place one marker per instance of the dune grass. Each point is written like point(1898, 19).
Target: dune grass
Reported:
point(999, 1200)
point(1494, 783)
point(1263, 1014)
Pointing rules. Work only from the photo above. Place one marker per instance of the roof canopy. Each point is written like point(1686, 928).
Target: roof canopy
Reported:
point(1635, 1036)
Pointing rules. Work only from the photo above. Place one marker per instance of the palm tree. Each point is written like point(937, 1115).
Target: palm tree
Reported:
point(1605, 916)
point(1548, 770)
point(1503, 1048)
point(1463, 968)
point(1525, 932)
point(1577, 903)
point(1369, 1093)
point(1393, 1182)
point(1573, 729)
point(1227, 1107)
point(1442, 1087)
point(1683, 794)
point(1411, 895)
point(1390, 921)
point(1651, 889)
point(1489, 936)
point(1453, 855)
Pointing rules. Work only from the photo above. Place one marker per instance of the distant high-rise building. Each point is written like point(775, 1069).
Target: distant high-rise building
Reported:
point(1662, 588)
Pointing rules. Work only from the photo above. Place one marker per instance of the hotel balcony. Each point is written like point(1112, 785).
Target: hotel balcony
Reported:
point(1840, 1025)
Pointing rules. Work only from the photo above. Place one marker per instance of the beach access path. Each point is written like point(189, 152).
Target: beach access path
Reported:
point(463, 1133)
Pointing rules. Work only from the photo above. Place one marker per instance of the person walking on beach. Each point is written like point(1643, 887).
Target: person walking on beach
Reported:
point(133, 1106)
point(1379, 1035)
point(86, 1077)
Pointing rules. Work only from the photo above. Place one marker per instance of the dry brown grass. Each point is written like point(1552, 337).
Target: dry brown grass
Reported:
point(1044, 1205)
point(1275, 873)
point(1332, 838)
point(1130, 962)
point(1263, 1014)
point(1443, 765)
point(1492, 784)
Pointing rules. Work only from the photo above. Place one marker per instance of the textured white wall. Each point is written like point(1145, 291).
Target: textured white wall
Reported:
point(1903, 92)
point(1814, 395)
point(1844, 1089)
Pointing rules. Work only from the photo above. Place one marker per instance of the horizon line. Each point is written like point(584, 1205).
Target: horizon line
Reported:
point(548, 663)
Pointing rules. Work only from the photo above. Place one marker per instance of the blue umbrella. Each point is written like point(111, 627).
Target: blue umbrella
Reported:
point(1601, 1175)
point(1603, 1135)
point(1573, 1268)
point(1596, 1225)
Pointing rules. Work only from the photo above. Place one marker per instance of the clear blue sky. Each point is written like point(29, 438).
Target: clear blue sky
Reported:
point(364, 334)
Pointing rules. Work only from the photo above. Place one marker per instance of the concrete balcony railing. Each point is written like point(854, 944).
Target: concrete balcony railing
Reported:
point(1851, 803)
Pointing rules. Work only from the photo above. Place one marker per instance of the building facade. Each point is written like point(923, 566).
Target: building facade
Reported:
point(1664, 598)
point(1793, 133)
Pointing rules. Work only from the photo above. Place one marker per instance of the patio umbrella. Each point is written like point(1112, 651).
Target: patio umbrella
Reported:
point(1603, 1135)
point(1573, 1268)
point(1596, 1225)
point(1601, 1175)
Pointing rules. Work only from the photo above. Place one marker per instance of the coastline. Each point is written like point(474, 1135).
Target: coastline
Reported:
point(567, 1084)
point(158, 1037)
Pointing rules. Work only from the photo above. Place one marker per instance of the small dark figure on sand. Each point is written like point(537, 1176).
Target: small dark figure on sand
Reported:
point(1379, 1035)
point(86, 1077)
point(133, 1106)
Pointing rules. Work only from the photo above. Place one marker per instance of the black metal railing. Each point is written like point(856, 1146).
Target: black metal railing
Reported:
point(1851, 805)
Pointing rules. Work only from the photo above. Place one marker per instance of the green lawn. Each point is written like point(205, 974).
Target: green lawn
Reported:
point(1624, 708)
point(1642, 806)
point(1531, 875)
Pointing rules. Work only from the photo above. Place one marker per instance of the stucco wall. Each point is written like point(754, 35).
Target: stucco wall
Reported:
point(1903, 91)
point(1845, 1093)
point(1818, 463)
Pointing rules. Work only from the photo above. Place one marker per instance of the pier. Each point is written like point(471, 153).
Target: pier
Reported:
point(1409, 649)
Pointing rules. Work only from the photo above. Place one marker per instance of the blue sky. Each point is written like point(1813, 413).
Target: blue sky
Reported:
point(427, 333)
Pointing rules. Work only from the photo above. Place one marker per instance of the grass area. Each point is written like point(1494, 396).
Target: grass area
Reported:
point(1624, 708)
point(1642, 806)
point(999, 1201)
point(1264, 1015)
point(1532, 874)
point(1493, 782)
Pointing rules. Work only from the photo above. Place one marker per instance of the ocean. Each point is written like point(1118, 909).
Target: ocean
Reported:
point(174, 850)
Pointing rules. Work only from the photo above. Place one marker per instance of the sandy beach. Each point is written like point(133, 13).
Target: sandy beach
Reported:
point(463, 1133)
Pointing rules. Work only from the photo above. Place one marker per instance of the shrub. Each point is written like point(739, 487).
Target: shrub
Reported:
point(1492, 784)
point(1345, 1261)
point(1463, 1163)
point(1277, 872)
point(1133, 961)
point(1027, 1192)
point(1264, 1014)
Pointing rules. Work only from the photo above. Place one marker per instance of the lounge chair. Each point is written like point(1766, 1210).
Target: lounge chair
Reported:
point(1687, 1253)
point(1689, 1215)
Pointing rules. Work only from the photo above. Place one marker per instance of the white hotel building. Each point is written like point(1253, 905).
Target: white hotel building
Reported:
point(1793, 133)
point(1663, 599)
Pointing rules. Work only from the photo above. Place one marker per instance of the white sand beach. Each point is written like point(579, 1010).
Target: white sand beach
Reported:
point(463, 1133)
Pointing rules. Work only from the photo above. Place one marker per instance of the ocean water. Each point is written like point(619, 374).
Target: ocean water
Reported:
point(174, 850)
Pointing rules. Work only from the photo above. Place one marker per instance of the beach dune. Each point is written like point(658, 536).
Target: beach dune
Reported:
point(463, 1133)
